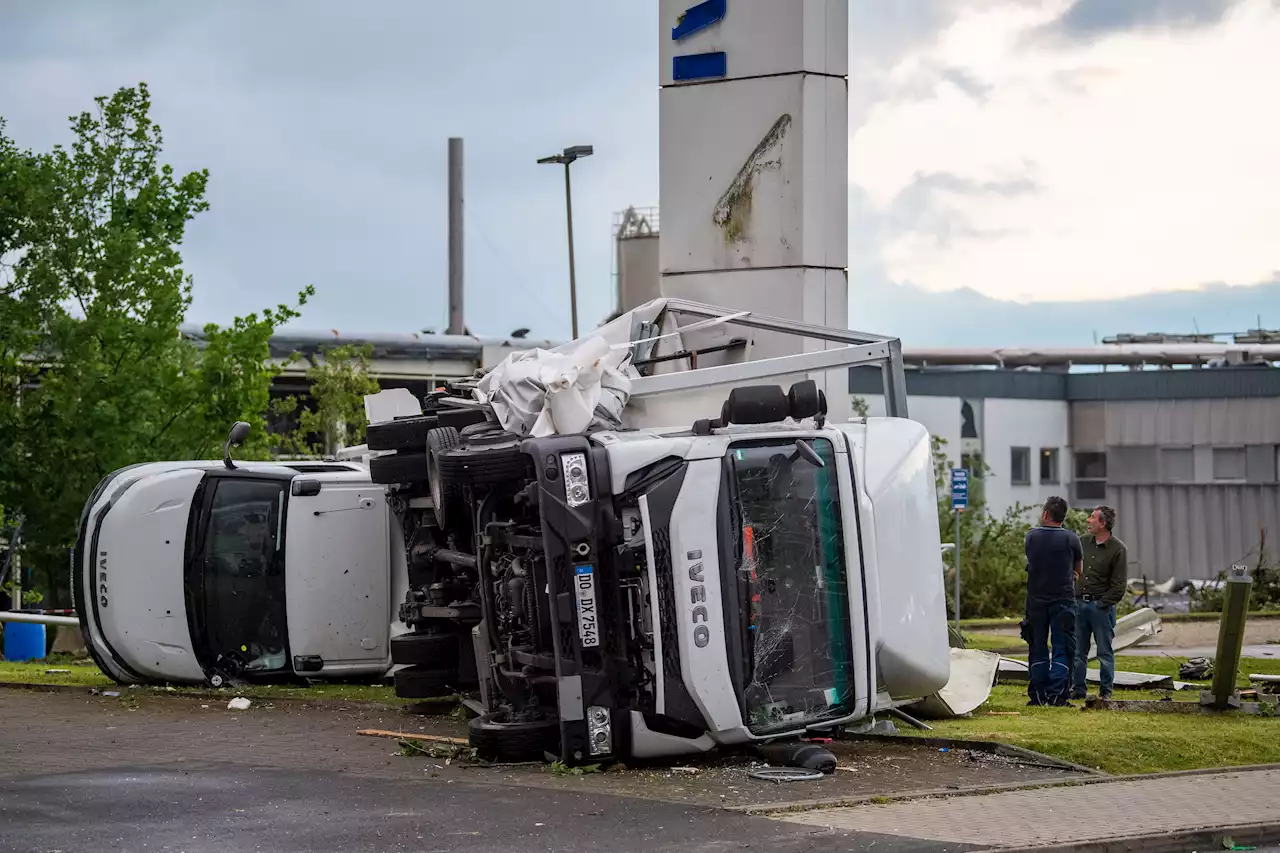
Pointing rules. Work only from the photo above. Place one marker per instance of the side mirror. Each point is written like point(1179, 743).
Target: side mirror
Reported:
point(305, 488)
point(235, 438)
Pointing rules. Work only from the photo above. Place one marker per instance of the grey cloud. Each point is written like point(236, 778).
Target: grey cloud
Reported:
point(1087, 19)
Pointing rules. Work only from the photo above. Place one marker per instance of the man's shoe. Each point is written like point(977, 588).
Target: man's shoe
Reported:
point(1105, 697)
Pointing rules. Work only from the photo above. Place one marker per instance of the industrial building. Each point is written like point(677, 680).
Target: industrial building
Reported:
point(1179, 433)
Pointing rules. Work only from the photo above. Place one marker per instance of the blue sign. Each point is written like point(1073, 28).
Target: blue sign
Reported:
point(699, 66)
point(959, 488)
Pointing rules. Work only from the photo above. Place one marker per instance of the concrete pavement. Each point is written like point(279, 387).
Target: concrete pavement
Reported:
point(1069, 815)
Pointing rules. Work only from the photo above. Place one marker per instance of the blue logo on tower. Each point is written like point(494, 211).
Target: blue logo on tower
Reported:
point(699, 66)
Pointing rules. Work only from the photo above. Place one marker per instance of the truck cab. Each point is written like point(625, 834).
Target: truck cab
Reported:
point(196, 572)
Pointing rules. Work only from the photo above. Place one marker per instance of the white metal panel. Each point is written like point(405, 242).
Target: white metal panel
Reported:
point(761, 37)
point(696, 575)
point(141, 606)
point(898, 478)
point(749, 175)
point(337, 576)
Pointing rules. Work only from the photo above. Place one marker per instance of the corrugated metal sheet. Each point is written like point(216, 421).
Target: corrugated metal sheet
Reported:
point(1089, 427)
point(1193, 531)
point(1184, 423)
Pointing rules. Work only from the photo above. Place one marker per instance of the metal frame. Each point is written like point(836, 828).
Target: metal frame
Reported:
point(859, 348)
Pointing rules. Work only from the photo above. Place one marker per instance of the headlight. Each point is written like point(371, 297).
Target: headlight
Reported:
point(577, 491)
point(600, 730)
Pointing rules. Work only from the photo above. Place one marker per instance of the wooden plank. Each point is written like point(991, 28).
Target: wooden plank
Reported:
point(412, 735)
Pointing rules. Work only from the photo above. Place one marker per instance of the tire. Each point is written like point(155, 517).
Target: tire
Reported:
point(460, 418)
point(420, 682)
point(500, 467)
point(444, 493)
point(477, 429)
point(403, 467)
point(496, 738)
point(434, 651)
point(401, 434)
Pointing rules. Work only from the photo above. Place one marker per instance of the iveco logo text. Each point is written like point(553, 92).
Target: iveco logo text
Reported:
point(698, 597)
point(102, 578)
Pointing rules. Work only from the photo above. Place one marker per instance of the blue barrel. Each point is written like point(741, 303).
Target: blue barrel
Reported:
point(23, 641)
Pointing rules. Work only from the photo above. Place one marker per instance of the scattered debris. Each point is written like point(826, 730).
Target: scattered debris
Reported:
point(448, 751)
point(456, 741)
point(779, 775)
point(111, 693)
point(239, 704)
point(973, 672)
point(56, 671)
point(693, 770)
point(1196, 669)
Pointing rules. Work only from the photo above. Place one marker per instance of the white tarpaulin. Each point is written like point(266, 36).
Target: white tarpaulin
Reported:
point(577, 386)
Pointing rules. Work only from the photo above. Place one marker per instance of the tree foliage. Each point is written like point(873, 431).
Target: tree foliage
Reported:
point(94, 373)
point(339, 379)
point(993, 576)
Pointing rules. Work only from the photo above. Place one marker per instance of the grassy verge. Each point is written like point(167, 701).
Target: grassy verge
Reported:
point(994, 642)
point(80, 673)
point(1126, 742)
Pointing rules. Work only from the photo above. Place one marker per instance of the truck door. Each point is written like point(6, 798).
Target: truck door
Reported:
point(338, 573)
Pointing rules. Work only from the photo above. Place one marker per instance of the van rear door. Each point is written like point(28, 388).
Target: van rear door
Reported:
point(338, 576)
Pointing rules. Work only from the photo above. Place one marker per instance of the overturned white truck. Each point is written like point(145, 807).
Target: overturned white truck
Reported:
point(628, 547)
point(639, 552)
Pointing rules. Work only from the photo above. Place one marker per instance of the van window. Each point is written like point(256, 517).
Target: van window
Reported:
point(242, 574)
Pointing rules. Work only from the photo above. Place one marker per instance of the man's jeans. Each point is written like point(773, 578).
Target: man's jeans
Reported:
point(1098, 623)
point(1051, 635)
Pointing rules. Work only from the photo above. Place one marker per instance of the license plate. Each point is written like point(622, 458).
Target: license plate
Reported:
point(584, 582)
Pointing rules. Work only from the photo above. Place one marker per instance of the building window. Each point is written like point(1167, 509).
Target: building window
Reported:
point(1049, 465)
point(1091, 490)
point(1020, 466)
point(1091, 476)
point(968, 422)
point(1229, 463)
point(1091, 466)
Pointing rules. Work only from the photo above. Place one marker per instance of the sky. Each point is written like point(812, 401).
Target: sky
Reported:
point(1021, 171)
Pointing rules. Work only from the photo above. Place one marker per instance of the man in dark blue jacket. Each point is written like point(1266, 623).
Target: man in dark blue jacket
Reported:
point(1054, 560)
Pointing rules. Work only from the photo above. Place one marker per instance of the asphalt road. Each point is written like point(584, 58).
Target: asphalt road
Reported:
point(232, 808)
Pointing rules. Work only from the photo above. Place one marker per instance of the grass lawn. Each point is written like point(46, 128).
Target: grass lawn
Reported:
point(1125, 741)
point(85, 674)
point(994, 642)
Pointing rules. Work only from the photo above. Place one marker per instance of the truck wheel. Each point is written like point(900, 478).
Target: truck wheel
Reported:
point(437, 651)
point(496, 737)
point(401, 434)
point(491, 458)
point(444, 493)
point(403, 467)
point(421, 682)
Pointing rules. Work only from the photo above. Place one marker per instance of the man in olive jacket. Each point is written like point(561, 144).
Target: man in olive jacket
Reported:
point(1098, 591)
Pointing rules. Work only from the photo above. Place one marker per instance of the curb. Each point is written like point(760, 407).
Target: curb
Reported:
point(1204, 838)
point(990, 746)
point(766, 809)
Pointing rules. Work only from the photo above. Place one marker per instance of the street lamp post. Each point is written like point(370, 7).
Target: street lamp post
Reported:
point(567, 157)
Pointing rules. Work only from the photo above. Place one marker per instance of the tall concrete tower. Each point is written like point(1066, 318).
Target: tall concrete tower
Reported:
point(754, 149)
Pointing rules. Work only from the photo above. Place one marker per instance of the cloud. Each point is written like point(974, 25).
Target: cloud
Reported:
point(323, 125)
point(1090, 18)
point(1143, 159)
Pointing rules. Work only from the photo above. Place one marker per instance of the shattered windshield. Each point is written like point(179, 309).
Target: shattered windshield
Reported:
point(793, 581)
point(242, 582)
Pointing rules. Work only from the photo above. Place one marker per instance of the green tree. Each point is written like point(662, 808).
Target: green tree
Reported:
point(335, 419)
point(993, 577)
point(94, 373)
